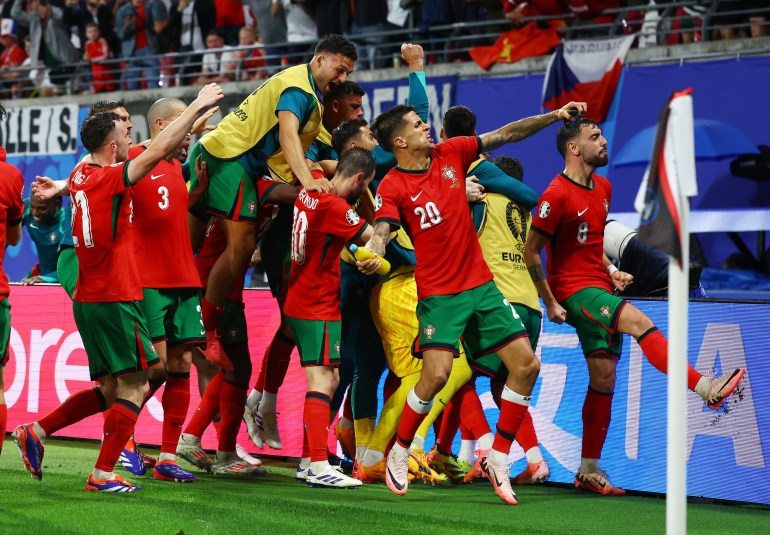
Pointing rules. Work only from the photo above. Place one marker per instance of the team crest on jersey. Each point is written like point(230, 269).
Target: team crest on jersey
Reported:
point(52, 237)
point(429, 331)
point(605, 311)
point(544, 210)
point(337, 347)
point(377, 202)
point(352, 217)
point(606, 206)
point(448, 172)
point(252, 207)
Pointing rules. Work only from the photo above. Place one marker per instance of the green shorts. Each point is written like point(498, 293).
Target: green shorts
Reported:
point(115, 338)
point(232, 192)
point(232, 324)
point(594, 313)
point(318, 341)
point(275, 249)
point(481, 316)
point(67, 270)
point(174, 315)
point(491, 364)
point(5, 331)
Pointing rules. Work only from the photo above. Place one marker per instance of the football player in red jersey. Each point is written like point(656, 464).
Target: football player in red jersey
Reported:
point(569, 222)
point(11, 209)
point(107, 313)
point(425, 193)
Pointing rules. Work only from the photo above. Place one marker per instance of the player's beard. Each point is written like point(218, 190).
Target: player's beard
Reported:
point(598, 160)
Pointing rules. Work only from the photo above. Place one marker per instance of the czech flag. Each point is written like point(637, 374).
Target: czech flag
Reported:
point(586, 71)
point(527, 41)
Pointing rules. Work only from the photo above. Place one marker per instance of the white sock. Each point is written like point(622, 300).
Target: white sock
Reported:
point(534, 455)
point(589, 465)
point(498, 457)
point(418, 405)
point(268, 402)
point(360, 452)
point(702, 388)
point(166, 457)
point(345, 423)
point(372, 457)
point(319, 466)
point(304, 463)
point(102, 475)
point(254, 398)
point(467, 447)
point(418, 443)
point(39, 431)
point(514, 397)
point(190, 439)
point(485, 442)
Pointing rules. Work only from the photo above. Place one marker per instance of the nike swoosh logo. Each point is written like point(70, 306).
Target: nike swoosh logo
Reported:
point(417, 196)
point(583, 212)
point(153, 177)
point(393, 480)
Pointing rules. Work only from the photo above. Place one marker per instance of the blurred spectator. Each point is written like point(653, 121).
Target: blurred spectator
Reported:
point(331, 16)
point(191, 21)
point(219, 64)
point(369, 17)
point(731, 24)
point(11, 58)
point(230, 20)
point(585, 14)
point(398, 14)
point(271, 24)
point(301, 30)
point(249, 64)
point(37, 81)
point(49, 38)
point(139, 25)
point(97, 51)
point(43, 220)
point(101, 14)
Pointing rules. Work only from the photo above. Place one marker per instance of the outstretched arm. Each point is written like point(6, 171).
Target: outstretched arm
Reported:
point(376, 244)
point(523, 128)
point(535, 244)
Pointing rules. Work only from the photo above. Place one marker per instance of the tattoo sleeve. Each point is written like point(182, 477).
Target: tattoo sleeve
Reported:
point(380, 238)
point(517, 131)
point(536, 272)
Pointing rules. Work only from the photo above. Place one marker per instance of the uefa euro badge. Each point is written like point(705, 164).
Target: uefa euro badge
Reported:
point(544, 210)
point(430, 330)
point(252, 207)
point(377, 202)
point(352, 217)
point(605, 311)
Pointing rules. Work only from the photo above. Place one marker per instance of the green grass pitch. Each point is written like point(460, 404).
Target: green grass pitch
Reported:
point(276, 504)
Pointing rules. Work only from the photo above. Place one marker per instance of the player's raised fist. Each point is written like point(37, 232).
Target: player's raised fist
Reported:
point(210, 94)
point(564, 112)
point(413, 55)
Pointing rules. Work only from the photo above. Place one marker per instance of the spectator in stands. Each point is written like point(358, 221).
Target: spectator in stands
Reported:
point(139, 26)
point(249, 64)
point(732, 25)
point(301, 30)
point(11, 58)
point(50, 42)
point(219, 63)
point(331, 16)
point(370, 17)
point(43, 222)
point(230, 20)
point(271, 23)
point(582, 15)
point(101, 14)
point(37, 81)
point(97, 52)
point(191, 21)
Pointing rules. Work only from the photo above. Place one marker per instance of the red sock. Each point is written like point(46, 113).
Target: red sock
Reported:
point(176, 401)
point(275, 364)
point(316, 419)
point(655, 348)
point(410, 422)
point(231, 402)
point(471, 411)
point(3, 423)
point(511, 416)
point(526, 436)
point(450, 423)
point(210, 314)
point(207, 408)
point(465, 433)
point(118, 428)
point(305, 445)
point(79, 405)
point(597, 411)
point(217, 424)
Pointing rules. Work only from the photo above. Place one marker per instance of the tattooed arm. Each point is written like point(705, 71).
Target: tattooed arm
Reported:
point(535, 244)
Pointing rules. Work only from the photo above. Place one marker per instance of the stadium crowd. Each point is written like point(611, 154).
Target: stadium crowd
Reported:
point(296, 172)
point(77, 46)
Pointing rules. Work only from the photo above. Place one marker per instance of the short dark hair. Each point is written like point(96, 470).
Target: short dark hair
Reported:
point(356, 160)
point(334, 43)
point(510, 166)
point(346, 131)
point(96, 129)
point(387, 125)
point(459, 121)
point(216, 31)
point(342, 90)
point(105, 105)
point(569, 131)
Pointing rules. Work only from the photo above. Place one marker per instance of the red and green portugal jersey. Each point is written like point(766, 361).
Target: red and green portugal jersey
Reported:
point(573, 217)
point(11, 210)
point(323, 222)
point(102, 230)
point(431, 205)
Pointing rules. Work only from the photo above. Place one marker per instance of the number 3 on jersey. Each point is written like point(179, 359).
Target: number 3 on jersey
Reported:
point(429, 215)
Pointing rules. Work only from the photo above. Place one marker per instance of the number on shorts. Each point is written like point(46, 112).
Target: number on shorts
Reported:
point(429, 215)
point(298, 236)
point(81, 202)
point(582, 234)
point(513, 310)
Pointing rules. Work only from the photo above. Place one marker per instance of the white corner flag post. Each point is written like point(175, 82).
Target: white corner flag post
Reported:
point(676, 180)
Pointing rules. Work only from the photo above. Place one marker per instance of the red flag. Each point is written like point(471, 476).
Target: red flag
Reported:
point(530, 40)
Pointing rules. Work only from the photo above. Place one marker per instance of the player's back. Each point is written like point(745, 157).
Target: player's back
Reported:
point(11, 209)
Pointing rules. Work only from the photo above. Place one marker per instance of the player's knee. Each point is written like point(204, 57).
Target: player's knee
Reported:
point(437, 378)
